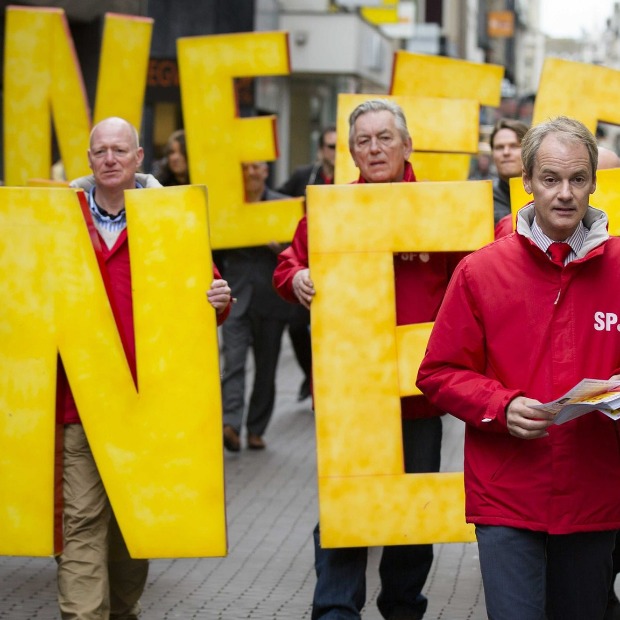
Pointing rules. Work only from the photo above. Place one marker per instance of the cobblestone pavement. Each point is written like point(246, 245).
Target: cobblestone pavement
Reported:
point(271, 511)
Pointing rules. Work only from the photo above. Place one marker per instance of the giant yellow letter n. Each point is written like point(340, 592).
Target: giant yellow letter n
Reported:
point(158, 448)
point(218, 141)
point(42, 80)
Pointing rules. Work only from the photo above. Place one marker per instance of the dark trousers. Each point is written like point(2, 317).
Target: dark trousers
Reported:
point(616, 557)
point(299, 331)
point(264, 336)
point(340, 592)
point(531, 575)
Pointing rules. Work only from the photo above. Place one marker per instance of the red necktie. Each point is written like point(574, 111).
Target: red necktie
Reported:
point(558, 251)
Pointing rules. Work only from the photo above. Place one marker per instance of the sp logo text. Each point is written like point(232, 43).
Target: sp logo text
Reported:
point(606, 321)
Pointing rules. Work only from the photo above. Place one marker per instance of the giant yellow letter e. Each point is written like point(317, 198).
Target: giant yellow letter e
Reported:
point(365, 498)
point(218, 141)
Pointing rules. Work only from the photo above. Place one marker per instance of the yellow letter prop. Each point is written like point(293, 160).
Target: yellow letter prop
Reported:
point(358, 351)
point(42, 80)
point(447, 78)
point(448, 125)
point(218, 141)
point(607, 197)
point(159, 448)
point(561, 92)
point(586, 92)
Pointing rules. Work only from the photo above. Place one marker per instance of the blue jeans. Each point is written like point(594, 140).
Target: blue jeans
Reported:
point(340, 592)
point(531, 575)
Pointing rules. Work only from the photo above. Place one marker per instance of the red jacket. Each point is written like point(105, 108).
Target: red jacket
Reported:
point(504, 226)
point(117, 266)
point(421, 281)
point(513, 323)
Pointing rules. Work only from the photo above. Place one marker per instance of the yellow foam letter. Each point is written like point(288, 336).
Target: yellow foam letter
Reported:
point(450, 78)
point(448, 125)
point(159, 449)
point(420, 75)
point(42, 75)
point(583, 91)
point(365, 496)
point(218, 141)
point(121, 81)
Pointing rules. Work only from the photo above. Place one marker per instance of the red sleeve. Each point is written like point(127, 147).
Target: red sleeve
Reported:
point(290, 261)
point(221, 317)
point(453, 372)
point(504, 226)
point(453, 260)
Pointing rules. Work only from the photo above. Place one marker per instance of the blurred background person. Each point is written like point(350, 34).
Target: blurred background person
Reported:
point(321, 172)
point(505, 143)
point(172, 169)
point(482, 165)
point(257, 321)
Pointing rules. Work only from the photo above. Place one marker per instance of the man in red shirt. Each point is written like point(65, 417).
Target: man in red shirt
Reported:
point(380, 145)
point(97, 579)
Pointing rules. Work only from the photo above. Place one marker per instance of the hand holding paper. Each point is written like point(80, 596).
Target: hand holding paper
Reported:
point(588, 395)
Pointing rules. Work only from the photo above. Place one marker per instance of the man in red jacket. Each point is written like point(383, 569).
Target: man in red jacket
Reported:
point(505, 144)
point(97, 579)
point(545, 498)
point(380, 145)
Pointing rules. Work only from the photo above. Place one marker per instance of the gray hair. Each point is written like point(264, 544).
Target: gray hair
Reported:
point(564, 128)
point(379, 105)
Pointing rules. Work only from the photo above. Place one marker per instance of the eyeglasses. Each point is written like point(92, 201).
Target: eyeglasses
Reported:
point(330, 146)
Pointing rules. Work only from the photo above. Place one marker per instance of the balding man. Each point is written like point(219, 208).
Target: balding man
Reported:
point(97, 579)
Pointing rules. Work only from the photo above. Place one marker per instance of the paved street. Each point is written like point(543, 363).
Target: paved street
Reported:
point(272, 509)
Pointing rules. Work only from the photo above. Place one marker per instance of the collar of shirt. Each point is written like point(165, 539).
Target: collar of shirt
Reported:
point(576, 240)
point(105, 220)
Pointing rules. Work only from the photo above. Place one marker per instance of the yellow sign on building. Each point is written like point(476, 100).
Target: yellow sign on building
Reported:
point(501, 24)
point(387, 13)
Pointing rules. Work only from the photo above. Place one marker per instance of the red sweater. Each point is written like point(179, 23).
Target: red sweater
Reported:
point(118, 270)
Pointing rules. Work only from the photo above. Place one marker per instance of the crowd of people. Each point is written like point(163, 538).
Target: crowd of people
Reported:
point(513, 329)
